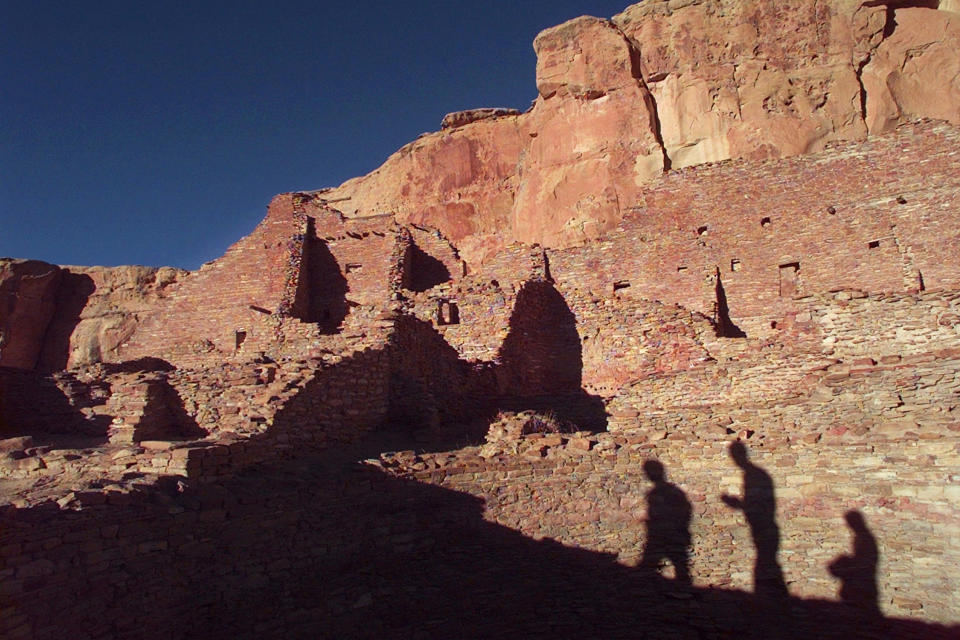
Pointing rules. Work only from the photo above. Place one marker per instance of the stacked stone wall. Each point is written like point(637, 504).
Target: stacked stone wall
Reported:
point(235, 296)
point(591, 492)
point(876, 216)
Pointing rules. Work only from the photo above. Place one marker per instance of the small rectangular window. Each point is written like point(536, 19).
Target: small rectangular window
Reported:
point(789, 279)
point(734, 265)
point(873, 244)
point(448, 312)
point(620, 284)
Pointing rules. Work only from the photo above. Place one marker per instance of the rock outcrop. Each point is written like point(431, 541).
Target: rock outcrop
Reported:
point(54, 317)
point(28, 297)
point(666, 84)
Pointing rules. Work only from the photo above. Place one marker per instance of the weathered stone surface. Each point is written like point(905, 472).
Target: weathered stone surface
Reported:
point(804, 309)
point(28, 298)
point(460, 118)
point(98, 309)
point(57, 317)
point(593, 135)
point(666, 84)
point(915, 71)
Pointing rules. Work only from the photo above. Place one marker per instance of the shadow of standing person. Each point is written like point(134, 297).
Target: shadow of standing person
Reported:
point(668, 525)
point(858, 572)
point(760, 508)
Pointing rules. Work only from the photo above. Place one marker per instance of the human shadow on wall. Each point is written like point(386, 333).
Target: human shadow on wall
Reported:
point(668, 526)
point(759, 506)
point(72, 296)
point(348, 550)
point(541, 359)
point(321, 295)
point(858, 571)
point(344, 550)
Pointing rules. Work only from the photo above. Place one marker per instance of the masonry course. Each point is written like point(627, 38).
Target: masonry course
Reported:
point(348, 427)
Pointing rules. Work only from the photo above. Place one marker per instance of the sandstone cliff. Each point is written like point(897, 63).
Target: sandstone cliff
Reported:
point(667, 84)
point(58, 317)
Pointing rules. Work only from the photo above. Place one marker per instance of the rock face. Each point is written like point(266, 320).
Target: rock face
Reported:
point(58, 317)
point(666, 84)
point(28, 297)
point(915, 71)
point(98, 308)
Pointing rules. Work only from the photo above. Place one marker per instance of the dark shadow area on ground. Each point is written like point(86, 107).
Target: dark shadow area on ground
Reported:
point(326, 547)
point(34, 404)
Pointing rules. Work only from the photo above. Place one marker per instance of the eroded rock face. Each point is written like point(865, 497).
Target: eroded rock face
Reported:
point(593, 135)
point(54, 317)
point(752, 79)
point(28, 298)
point(667, 84)
point(460, 118)
point(915, 72)
point(461, 180)
point(98, 309)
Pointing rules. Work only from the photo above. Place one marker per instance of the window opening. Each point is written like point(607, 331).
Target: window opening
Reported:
point(448, 312)
point(789, 279)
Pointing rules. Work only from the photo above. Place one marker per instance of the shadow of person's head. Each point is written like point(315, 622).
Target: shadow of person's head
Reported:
point(855, 520)
point(653, 470)
point(738, 452)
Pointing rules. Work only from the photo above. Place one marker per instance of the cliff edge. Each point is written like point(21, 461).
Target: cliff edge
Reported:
point(664, 85)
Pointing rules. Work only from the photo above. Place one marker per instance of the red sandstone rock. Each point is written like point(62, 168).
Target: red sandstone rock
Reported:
point(58, 317)
point(915, 72)
point(28, 298)
point(665, 82)
point(460, 118)
point(98, 310)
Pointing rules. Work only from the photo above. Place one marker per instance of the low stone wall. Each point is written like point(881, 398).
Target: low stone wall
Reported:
point(592, 493)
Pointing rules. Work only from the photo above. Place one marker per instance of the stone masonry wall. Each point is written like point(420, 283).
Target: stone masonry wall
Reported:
point(877, 216)
point(591, 493)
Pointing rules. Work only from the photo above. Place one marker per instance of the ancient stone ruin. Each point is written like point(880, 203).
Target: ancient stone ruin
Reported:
point(675, 353)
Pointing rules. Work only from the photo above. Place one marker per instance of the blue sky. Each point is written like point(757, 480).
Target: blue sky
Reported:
point(156, 133)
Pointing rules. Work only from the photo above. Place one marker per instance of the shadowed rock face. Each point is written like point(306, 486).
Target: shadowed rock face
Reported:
point(667, 85)
point(28, 290)
point(53, 318)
